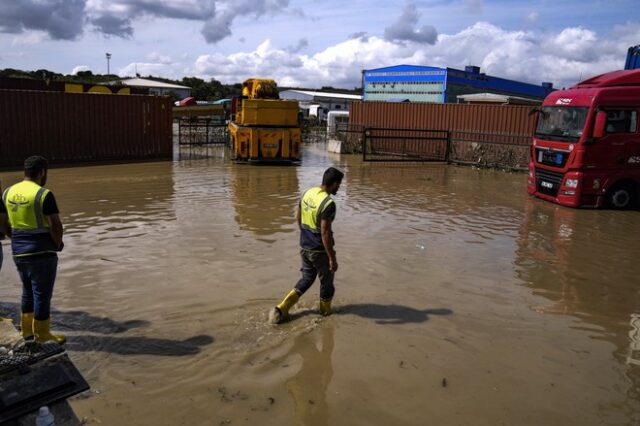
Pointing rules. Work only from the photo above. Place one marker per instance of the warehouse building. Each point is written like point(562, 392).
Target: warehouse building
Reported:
point(412, 83)
point(319, 104)
point(158, 88)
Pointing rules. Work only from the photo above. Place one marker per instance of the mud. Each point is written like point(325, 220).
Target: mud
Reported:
point(460, 300)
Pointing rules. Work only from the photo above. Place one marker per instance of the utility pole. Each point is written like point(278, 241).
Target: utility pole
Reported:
point(108, 55)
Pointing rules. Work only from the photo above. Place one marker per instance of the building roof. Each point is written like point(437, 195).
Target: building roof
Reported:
point(325, 94)
point(406, 68)
point(471, 75)
point(495, 98)
point(145, 82)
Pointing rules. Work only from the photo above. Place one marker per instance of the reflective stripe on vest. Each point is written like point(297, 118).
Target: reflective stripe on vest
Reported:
point(313, 203)
point(24, 202)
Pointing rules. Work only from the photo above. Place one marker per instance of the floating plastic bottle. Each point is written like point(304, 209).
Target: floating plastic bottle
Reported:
point(45, 418)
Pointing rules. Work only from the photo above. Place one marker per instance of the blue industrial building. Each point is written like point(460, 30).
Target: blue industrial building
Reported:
point(633, 58)
point(440, 85)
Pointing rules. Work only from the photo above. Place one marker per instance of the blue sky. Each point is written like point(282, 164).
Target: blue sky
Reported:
point(311, 43)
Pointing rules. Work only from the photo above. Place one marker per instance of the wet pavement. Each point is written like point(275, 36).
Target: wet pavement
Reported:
point(460, 299)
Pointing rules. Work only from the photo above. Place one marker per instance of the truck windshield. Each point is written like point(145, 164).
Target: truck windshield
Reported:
point(561, 123)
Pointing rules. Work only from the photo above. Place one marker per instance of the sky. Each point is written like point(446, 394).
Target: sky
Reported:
point(319, 43)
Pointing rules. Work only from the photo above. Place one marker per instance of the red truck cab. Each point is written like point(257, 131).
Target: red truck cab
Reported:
point(586, 145)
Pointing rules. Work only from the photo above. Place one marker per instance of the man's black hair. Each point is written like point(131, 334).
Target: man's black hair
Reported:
point(34, 165)
point(331, 176)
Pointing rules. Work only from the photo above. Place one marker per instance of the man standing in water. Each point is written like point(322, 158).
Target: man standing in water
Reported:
point(315, 214)
point(29, 216)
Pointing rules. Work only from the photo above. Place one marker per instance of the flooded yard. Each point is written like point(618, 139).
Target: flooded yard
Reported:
point(459, 299)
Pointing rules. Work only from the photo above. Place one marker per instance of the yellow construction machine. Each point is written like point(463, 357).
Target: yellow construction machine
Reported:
point(264, 128)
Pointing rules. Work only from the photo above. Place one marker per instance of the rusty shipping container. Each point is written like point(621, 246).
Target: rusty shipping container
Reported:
point(72, 128)
point(491, 135)
point(498, 119)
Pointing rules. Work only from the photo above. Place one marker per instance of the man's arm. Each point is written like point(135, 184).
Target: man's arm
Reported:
point(299, 216)
point(5, 227)
point(327, 242)
point(51, 212)
point(56, 229)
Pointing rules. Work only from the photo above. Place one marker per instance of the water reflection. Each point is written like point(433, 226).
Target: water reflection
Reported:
point(585, 264)
point(264, 198)
point(634, 340)
point(120, 201)
point(309, 386)
point(448, 198)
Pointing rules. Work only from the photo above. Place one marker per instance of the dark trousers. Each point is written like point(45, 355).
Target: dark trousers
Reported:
point(38, 274)
point(316, 264)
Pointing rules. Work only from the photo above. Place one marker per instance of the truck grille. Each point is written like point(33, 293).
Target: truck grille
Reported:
point(548, 182)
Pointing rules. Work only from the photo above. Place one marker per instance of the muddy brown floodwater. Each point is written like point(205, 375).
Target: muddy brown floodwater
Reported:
point(460, 300)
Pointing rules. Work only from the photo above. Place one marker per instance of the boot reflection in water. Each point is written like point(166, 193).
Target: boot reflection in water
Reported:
point(308, 387)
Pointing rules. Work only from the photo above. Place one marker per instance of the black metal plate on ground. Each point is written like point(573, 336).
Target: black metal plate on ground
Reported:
point(46, 382)
point(27, 355)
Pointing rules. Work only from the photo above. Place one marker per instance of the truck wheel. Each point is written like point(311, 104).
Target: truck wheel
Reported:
point(621, 196)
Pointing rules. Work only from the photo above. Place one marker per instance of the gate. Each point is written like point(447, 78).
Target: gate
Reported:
point(413, 145)
point(202, 131)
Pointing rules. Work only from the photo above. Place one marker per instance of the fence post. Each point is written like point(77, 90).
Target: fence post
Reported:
point(365, 136)
point(447, 154)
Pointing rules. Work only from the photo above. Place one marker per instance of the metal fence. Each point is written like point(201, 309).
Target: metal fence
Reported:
point(490, 149)
point(350, 135)
point(202, 131)
point(429, 145)
point(405, 145)
point(313, 132)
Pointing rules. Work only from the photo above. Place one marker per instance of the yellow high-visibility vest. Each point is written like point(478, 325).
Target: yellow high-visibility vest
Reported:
point(24, 202)
point(313, 203)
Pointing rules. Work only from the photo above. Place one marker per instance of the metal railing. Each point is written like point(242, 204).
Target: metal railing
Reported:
point(490, 149)
point(202, 131)
point(416, 145)
point(430, 145)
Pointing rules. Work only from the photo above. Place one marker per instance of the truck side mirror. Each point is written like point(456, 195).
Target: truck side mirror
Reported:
point(599, 126)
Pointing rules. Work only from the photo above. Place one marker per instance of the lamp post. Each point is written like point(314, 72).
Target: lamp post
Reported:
point(108, 55)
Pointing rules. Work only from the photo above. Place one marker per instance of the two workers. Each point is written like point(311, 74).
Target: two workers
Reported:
point(29, 215)
point(315, 216)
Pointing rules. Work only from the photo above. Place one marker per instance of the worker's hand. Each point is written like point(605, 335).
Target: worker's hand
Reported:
point(333, 265)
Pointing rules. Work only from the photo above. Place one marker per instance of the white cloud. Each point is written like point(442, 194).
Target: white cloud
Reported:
point(28, 38)
point(172, 70)
point(532, 18)
point(405, 28)
point(561, 57)
point(155, 57)
point(628, 33)
point(79, 68)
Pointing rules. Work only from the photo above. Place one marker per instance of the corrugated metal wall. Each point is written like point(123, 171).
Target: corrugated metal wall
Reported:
point(77, 128)
point(504, 119)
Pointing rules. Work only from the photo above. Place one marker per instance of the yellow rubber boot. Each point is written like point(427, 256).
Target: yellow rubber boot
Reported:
point(26, 325)
point(325, 307)
point(42, 333)
point(281, 311)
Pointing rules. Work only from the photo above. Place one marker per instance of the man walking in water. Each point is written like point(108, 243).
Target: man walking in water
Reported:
point(29, 215)
point(315, 214)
